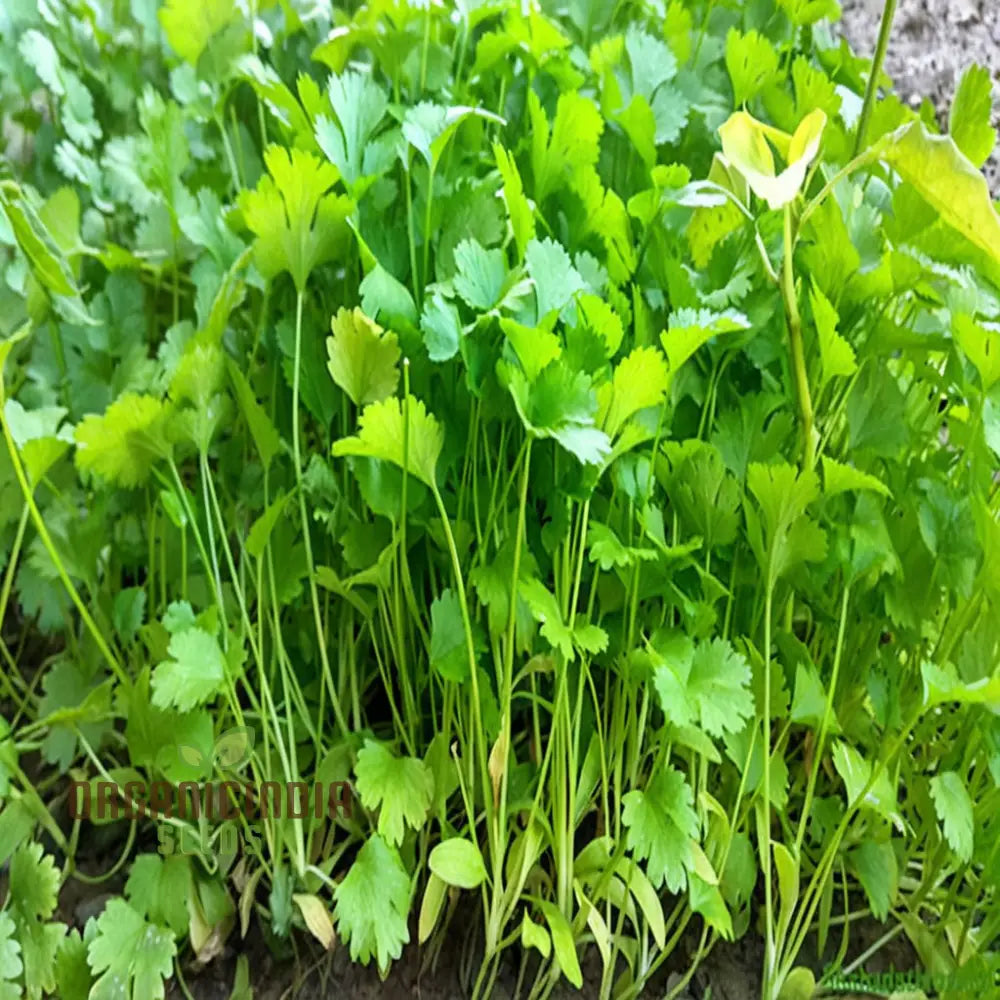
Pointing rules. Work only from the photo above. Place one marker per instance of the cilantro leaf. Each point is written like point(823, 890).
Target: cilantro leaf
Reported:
point(661, 824)
point(195, 673)
point(448, 653)
point(561, 404)
point(708, 683)
point(399, 787)
point(131, 958)
point(34, 887)
point(125, 443)
point(954, 809)
point(360, 105)
point(372, 904)
point(384, 426)
point(190, 24)
point(298, 225)
point(970, 122)
point(363, 357)
point(480, 276)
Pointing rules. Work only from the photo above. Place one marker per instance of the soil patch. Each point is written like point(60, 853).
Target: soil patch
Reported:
point(932, 43)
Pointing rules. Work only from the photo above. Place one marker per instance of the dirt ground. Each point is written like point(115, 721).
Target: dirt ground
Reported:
point(932, 43)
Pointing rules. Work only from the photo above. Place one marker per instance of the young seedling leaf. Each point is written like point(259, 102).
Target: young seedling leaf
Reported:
point(401, 789)
point(372, 904)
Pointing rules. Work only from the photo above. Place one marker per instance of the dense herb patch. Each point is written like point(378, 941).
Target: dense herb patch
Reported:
point(573, 426)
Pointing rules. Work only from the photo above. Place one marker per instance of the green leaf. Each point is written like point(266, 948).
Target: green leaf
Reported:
point(878, 872)
point(856, 773)
point(809, 701)
point(545, 609)
point(640, 381)
point(40, 54)
point(265, 437)
point(556, 280)
point(836, 354)
point(458, 862)
point(363, 357)
point(401, 789)
point(783, 494)
point(73, 979)
point(560, 404)
point(190, 24)
point(522, 220)
point(481, 274)
point(448, 654)
point(535, 936)
point(38, 436)
point(574, 142)
point(194, 675)
point(752, 64)
point(360, 105)
point(970, 121)
point(690, 329)
point(441, 327)
point(606, 549)
point(840, 478)
point(298, 225)
point(535, 346)
point(745, 147)
point(383, 430)
point(130, 957)
point(372, 903)
point(435, 894)
point(942, 685)
point(981, 345)
point(158, 888)
point(384, 296)
point(563, 942)
point(707, 683)
point(958, 192)
point(124, 444)
point(429, 127)
point(954, 809)
point(661, 824)
point(707, 900)
point(129, 612)
point(33, 893)
point(47, 262)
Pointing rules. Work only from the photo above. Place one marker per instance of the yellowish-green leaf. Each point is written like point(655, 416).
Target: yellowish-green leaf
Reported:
point(430, 907)
point(840, 478)
point(190, 24)
point(836, 354)
point(981, 345)
point(317, 918)
point(935, 166)
point(363, 357)
point(641, 380)
point(745, 145)
point(971, 115)
point(123, 445)
point(387, 434)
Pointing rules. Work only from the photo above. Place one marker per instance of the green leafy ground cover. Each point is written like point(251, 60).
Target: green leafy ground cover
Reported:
point(573, 425)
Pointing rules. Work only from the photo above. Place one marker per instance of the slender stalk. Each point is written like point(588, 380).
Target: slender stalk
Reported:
point(871, 91)
point(825, 726)
point(50, 548)
point(795, 344)
point(338, 710)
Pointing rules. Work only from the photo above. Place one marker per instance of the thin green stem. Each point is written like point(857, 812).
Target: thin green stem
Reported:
point(338, 711)
point(871, 91)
